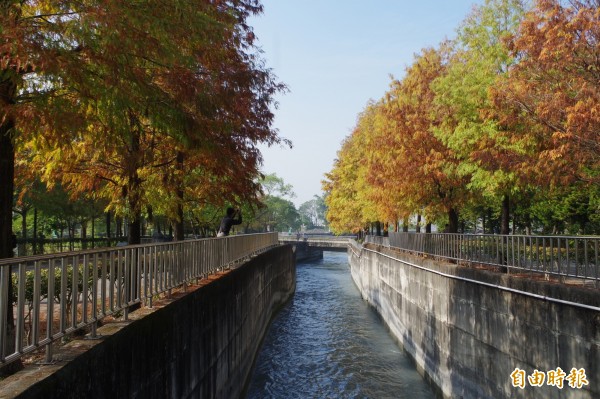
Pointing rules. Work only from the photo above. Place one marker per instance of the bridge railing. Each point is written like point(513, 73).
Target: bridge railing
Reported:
point(56, 295)
point(313, 237)
point(560, 256)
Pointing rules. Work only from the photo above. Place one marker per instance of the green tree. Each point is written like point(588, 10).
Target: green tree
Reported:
point(280, 214)
point(274, 212)
point(273, 185)
point(312, 213)
point(487, 151)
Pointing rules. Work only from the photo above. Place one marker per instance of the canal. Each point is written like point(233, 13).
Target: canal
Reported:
point(328, 343)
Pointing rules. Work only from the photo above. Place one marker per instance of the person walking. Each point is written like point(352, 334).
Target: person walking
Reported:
point(229, 220)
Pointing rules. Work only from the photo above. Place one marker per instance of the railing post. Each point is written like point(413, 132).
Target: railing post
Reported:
point(49, 312)
point(597, 282)
point(85, 288)
point(35, 314)
point(20, 322)
point(125, 299)
point(94, 326)
point(150, 275)
point(5, 302)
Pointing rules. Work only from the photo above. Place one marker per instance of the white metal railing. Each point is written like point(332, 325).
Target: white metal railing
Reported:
point(55, 295)
point(561, 256)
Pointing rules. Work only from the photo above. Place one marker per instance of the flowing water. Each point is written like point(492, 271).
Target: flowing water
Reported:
point(328, 343)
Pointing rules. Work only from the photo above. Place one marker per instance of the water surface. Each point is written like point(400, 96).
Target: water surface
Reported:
point(328, 343)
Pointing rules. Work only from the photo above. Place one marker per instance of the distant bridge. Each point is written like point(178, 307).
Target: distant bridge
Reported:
point(318, 242)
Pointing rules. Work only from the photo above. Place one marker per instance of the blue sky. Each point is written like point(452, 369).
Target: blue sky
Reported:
point(334, 56)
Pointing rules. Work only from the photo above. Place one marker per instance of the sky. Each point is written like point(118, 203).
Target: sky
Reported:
point(335, 56)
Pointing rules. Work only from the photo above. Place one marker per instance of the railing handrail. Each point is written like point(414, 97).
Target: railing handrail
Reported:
point(561, 256)
point(491, 235)
point(293, 237)
point(103, 282)
point(504, 235)
point(91, 251)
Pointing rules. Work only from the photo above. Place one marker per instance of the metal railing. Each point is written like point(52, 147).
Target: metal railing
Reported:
point(379, 240)
point(560, 256)
point(313, 237)
point(47, 246)
point(54, 296)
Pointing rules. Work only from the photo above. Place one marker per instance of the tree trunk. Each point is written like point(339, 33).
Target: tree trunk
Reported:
point(418, 227)
point(505, 220)
point(483, 223)
point(135, 230)
point(93, 231)
point(378, 228)
point(452, 221)
point(23, 247)
point(119, 227)
point(405, 225)
point(71, 230)
point(107, 224)
point(428, 228)
point(7, 172)
point(7, 175)
point(504, 230)
point(134, 182)
point(35, 237)
point(179, 228)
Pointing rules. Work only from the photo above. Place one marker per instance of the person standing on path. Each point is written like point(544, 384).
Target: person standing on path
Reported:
point(229, 220)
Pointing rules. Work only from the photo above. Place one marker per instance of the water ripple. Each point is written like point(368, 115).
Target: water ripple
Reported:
point(328, 343)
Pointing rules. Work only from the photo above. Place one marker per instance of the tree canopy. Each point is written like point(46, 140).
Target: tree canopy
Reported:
point(500, 123)
point(141, 104)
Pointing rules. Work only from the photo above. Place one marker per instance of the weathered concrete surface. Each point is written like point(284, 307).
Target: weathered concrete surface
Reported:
point(201, 345)
point(468, 338)
point(305, 253)
point(312, 249)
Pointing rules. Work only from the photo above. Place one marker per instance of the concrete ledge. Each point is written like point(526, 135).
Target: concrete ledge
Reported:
point(201, 344)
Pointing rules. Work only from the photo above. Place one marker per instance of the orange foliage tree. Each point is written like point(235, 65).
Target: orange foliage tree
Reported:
point(162, 86)
point(38, 54)
point(552, 93)
point(419, 172)
point(348, 194)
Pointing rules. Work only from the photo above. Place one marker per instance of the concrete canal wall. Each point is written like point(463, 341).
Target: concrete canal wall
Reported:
point(468, 330)
point(201, 345)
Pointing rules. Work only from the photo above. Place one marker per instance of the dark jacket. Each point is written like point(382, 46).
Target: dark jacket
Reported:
point(227, 222)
